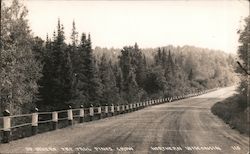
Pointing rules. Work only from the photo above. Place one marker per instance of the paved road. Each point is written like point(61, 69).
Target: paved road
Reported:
point(185, 126)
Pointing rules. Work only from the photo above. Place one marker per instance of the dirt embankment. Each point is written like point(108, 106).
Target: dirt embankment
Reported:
point(230, 112)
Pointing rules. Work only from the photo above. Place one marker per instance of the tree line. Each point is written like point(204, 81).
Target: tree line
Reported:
point(52, 74)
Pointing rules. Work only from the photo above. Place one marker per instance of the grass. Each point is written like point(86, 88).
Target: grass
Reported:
point(232, 114)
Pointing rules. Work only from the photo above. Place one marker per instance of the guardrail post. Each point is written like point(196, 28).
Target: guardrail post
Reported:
point(112, 109)
point(131, 107)
point(91, 112)
point(106, 110)
point(34, 123)
point(70, 116)
point(55, 120)
point(127, 108)
point(99, 110)
point(117, 109)
point(123, 108)
point(6, 126)
point(81, 113)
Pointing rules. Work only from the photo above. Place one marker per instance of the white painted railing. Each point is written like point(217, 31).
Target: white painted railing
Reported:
point(101, 112)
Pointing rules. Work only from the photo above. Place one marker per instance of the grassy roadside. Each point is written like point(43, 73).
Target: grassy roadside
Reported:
point(230, 112)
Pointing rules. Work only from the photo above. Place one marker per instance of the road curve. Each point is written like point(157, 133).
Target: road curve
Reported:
point(182, 127)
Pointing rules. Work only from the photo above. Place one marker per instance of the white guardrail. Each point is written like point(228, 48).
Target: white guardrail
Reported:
point(81, 113)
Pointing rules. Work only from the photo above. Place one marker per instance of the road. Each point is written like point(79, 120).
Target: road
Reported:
point(181, 127)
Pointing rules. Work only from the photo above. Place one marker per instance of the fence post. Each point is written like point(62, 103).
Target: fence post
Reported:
point(34, 121)
point(6, 126)
point(91, 112)
point(55, 120)
point(70, 116)
point(117, 109)
point(131, 107)
point(127, 108)
point(112, 109)
point(99, 111)
point(123, 108)
point(106, 110)
point(81, 113)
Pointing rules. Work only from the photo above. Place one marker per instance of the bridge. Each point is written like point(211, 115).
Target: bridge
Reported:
point(183, 126)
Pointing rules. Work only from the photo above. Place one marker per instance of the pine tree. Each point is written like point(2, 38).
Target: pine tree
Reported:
point(108, 80)
point(138, 64)
point(56, 85)
point(88, 73)
point(74, 54)
point(164, 59)
point(130, 86)
point(158, 57)
point(170, 75)
point(119, 78)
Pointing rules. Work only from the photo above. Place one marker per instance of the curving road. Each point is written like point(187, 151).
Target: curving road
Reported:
point(185, 126)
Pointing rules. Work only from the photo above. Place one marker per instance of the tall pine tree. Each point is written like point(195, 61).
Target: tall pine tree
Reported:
point(88, 74)
point(56, 85)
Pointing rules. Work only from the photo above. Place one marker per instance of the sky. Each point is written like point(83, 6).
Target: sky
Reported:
point(209, 24)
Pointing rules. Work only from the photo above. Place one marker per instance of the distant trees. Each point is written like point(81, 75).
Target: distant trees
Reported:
point(127, 65)
point(110, 90)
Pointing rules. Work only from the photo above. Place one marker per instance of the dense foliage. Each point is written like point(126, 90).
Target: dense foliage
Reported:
point(19, 68)
point(54, 74)
point(244, 69)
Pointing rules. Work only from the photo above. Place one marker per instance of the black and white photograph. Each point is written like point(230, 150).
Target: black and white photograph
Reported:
point(124, 77)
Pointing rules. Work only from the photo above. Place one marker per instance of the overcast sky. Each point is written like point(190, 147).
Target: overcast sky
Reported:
point(210, 24)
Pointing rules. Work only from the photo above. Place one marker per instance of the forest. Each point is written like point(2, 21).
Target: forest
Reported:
point(54, 73)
